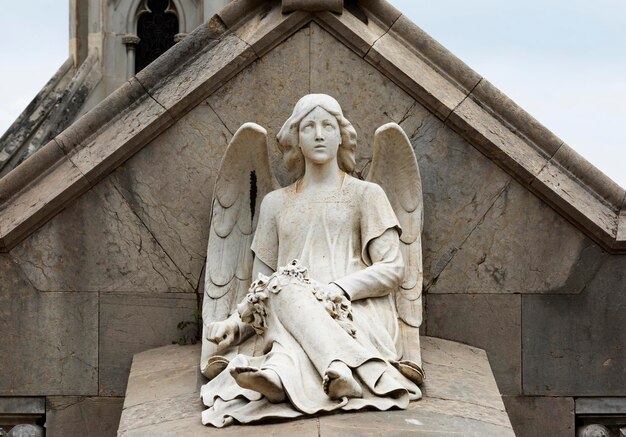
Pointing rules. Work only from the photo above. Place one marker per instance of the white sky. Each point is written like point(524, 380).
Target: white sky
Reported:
point(563, 61)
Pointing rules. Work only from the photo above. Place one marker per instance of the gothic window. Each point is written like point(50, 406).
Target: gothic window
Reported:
point(156, 27)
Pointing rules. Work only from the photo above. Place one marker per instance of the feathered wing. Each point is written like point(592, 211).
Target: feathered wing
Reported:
point(394, 167)
point(244, 178)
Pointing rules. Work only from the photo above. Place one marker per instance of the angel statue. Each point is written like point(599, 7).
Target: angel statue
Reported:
point(335, 261)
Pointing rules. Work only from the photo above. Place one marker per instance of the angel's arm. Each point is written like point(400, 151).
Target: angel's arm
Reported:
point(383, 275)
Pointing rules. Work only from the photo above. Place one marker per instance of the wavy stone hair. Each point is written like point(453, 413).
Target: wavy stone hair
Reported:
point(288, 137)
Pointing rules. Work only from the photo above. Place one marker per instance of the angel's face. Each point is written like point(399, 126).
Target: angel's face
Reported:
point(319, 136)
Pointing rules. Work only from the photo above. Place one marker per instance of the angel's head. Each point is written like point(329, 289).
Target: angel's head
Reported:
point(289, 135)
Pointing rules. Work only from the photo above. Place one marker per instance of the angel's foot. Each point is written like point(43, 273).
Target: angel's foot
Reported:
point(264, 381)
point(339, 382)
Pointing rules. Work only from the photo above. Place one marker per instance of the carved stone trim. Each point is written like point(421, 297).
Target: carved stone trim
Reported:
point(130, 39)
point(313, 6)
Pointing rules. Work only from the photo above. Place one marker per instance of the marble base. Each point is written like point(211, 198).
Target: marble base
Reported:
point(460, 398)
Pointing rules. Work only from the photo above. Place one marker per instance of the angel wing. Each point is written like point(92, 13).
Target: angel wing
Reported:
point(244, 178)
point(394, 168)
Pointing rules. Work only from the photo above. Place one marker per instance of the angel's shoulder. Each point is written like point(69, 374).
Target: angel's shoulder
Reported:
point(274, 199)
point(365, 188)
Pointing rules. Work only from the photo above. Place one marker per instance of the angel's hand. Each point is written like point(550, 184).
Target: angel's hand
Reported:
point(336, 293)
point(223, 333)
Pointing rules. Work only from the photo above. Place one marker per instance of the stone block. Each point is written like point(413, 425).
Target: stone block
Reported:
point(168, 374)
point(98, 244)
point(37, 202)
point(590, 176)
point(460, 396)
point(541, 416)
point(409, 422)
point(396, 60)
point(169, 185)
point(490, 322)
point(275, 88)
point(134, 323)
point(50, 340)
point(186, 87)
point(521, 246)
point(578, 201)
point(340, 72)
point(574, 345)
point(192, 427)
point(124, 136)
point(22, 405)
point(267, 27)
point(459, 187)
point(488, 96)
point(83, 416)
point(497, 141)
point(601, 405)
point(356, 28)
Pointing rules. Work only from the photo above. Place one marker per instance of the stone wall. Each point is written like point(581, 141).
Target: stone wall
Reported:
point(116, 271)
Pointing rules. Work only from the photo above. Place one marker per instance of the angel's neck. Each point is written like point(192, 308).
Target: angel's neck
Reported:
point(325, 177)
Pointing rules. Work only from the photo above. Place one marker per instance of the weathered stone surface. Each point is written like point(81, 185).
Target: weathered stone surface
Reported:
point(266, 28)
point(97, 244)
point(573, 197)
point(151, 386)
point(416, 76)
point(185, 88)
point(34, 115)
point(35, 204)
point(601, 405)
point(540, 416)
point(339, 72)
point(460, 397)
point(494, 138)
point(49, 340)
point(491, 322)
point(169, 185)
point(459, 185)
point(134, 323)
point(574, 345)
point(497, 102)
point(192, 427)
point(409, 422)
point(82, 416)
point(144, 120)
point(22, 405)
point(316, 5)
point(275, 88)
point(356, 28)
point(521, 246)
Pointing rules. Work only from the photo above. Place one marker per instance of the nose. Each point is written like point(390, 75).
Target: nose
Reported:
point(319, 134)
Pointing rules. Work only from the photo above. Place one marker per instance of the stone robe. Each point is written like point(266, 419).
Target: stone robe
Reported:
point(348, 237)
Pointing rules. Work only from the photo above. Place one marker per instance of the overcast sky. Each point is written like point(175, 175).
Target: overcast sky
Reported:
point(563, 61)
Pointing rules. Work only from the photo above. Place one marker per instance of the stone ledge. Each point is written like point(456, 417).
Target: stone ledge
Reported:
point(460, 396)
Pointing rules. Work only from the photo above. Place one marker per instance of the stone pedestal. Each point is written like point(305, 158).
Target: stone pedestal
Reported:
point(460, 398)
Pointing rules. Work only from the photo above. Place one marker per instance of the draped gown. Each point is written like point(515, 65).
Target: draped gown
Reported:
point(349, 237)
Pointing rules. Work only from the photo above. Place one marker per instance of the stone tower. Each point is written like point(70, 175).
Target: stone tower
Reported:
point(110, 40)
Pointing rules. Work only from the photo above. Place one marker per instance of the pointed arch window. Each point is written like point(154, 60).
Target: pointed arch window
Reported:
point(157, 27)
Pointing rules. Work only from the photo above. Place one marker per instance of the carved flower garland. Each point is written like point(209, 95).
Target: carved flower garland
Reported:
point(254, 311)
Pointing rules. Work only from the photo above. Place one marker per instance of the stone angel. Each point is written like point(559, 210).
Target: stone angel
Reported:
point(335, 260)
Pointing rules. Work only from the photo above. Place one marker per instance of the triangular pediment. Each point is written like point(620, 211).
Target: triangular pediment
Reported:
point(419, 74)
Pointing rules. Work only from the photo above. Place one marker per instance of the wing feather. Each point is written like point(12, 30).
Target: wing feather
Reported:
point(244, 178)
point(394, 167)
